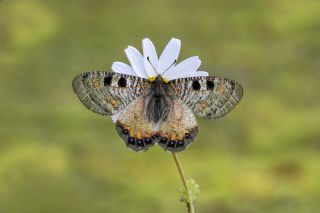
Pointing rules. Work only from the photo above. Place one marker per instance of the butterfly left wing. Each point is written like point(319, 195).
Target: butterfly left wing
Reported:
point(106, 93)
point(209, 97)
point(134, 128)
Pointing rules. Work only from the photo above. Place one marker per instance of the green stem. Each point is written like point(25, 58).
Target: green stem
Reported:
point(184, 181)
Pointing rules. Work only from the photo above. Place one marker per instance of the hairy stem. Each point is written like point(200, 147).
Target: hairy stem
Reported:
point(184, 181)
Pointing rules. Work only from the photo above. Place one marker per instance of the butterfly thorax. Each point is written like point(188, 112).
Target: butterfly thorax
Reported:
point(158, 100)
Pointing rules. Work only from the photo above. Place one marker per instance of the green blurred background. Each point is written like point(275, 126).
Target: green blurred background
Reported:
point(57, 156)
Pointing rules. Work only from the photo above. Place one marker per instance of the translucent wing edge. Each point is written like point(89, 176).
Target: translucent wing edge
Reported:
point(84, 97)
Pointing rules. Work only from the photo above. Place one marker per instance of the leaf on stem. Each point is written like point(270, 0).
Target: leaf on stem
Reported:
point(194, 191)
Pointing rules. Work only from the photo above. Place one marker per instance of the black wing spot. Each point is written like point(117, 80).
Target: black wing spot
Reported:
point(122, 82)
point(187, 135)
point(210, 85)
point(148, 141)
point(171, 144)
point(107, 80)
point(163, 140)
point(140, 143)
point(196, 85)
point(131, 140)
point(85, 76)
point(180, 144)
point(210, 114)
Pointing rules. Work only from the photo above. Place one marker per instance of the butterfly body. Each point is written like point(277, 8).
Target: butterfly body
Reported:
point(158, 100)
point(155, 111)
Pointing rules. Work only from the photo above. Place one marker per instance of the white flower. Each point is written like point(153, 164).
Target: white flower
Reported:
point(149, 66)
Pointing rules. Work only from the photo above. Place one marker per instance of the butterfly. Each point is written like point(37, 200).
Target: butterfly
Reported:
point(160, 109)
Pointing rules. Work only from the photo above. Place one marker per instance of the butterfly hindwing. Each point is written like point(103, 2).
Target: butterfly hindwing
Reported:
point(134, 128)
point(174, 134)
point(209, 97)
point(179, 129)
point(107, 93)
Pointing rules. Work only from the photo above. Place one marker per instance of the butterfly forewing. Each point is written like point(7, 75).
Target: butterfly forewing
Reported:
point(107, 93)
point(209, 97)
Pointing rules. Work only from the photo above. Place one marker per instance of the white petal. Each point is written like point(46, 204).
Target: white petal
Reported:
point(115, 117)
point(136, 61)
point(149, 52)
point(186, 66)
point(202, 73)
point(189, 74)
point(174, 75)
point(169, 55)
point(196, 74)
point(123, 68)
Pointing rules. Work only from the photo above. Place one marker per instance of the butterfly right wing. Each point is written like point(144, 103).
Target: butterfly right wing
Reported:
point(107, 93)
point(179, 129)
point(209, 97)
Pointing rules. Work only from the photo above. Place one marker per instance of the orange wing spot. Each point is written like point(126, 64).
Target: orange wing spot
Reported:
point(163, 135)
point(203, 105)
point(180, 137)
point(95, 83)
point(139, 136)
point(173, 137)
point(221, 89)
point(146, 136)
point(131, 133)
point(114, 103)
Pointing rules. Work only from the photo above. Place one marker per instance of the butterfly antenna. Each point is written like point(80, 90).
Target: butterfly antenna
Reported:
point(169, 66)
point(175, 61)
point(148, 58)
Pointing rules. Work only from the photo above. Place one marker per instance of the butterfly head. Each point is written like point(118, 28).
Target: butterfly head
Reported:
point(159, 77)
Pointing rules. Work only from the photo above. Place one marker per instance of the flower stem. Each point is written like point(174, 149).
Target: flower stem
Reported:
point(181, 172)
